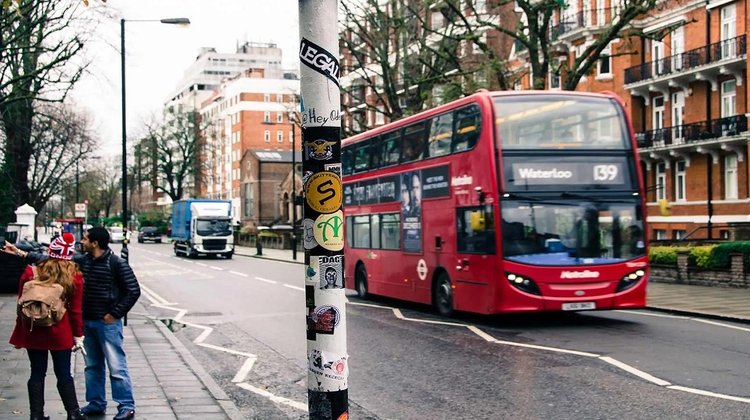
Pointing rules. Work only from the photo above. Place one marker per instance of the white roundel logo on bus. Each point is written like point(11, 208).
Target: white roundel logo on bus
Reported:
point(422, 269)
point(580, 293)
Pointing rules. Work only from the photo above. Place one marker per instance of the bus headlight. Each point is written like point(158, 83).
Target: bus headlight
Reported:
point(523, 283)
point(630, 280)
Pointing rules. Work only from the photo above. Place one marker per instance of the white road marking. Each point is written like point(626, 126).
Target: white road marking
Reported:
point(216, 268)
point(266, 280)
point(244, 370)
point(708, 393)
point(482, 334)
point(399, 315)
point(720, 324)
point(294, 287)
point(201, 264)
point(237, 273)
point(639, 373)
point(653, 314)
point(274, 398)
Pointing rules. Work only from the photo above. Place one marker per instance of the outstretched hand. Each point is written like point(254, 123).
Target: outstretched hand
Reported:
point(9, 248)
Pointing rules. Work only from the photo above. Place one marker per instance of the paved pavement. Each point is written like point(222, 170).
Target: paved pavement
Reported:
point(169, 383)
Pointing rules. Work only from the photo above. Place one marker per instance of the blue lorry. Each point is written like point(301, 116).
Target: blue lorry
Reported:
point(202, 227)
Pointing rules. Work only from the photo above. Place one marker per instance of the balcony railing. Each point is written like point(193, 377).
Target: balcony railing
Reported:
point(585, 18)
point(722, 50)
point(693, 132)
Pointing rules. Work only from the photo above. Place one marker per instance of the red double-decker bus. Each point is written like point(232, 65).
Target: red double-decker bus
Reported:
point(499, 202)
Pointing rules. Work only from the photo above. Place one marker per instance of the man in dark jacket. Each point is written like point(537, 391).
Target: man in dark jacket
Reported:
point(110, 289)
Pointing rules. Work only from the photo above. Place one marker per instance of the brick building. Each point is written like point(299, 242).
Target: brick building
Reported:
point(247, 113)
point(681, 71)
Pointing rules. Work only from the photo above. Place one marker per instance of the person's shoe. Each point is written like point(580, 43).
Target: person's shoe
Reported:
point(90, 410)
point(126, 414)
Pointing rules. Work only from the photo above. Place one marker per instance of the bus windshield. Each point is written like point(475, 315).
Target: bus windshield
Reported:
point(560, 122)
point(541, 231)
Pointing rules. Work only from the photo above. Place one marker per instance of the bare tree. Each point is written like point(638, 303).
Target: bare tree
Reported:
point(174, 144)
point(39, 41)
point(61, 142)
point(406, 52)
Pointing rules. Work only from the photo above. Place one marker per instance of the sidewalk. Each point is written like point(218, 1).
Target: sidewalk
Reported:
point(715, 302)
point(167, 381)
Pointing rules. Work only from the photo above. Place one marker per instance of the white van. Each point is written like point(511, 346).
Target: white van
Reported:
point(116, 234)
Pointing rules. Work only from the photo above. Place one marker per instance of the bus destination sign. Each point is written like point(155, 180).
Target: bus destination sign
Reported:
point(568, 173)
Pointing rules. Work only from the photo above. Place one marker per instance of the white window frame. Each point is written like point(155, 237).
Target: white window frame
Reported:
point(728, 17)
point(291, 136)
point(608, 51)
point(279, 136)
point(660, 234)
point(267, 136)
point(728, 98)
point(279, 117)
point(279, 98)
point(731, 189)
point(661, 181)
point(680, 181)
point(266, 97)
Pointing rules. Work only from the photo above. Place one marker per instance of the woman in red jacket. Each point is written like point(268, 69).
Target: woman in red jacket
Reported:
point(58, 339)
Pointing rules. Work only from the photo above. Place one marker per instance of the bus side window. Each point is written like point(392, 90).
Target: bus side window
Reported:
point(468, 125)
point(362, 157)
point(346, 161)
point(475, 230)
point(390, 149)
point(413, 141)
point(441, 131)
point(361, 232)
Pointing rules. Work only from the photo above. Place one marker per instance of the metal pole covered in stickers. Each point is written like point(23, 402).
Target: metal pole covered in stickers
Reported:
point(323, 219)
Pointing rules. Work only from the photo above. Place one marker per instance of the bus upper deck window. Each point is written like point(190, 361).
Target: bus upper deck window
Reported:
point(441, 132)
point(413, 142)
point(346, 161)
point(390, 149)
point(362, 157)
point(468, 125)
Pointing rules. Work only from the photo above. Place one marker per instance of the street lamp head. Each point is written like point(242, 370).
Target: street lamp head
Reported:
point(175, 21)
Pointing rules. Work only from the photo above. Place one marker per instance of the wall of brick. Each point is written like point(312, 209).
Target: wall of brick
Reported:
point(735, 276)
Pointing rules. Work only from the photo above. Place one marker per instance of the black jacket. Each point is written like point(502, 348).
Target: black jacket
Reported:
point(109, 284)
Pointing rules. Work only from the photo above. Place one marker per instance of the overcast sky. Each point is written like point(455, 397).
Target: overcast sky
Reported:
point(157, 55)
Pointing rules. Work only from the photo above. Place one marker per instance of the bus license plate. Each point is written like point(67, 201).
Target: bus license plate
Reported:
point(578, 306)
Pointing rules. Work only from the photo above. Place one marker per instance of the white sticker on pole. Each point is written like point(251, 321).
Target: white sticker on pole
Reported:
point(331, 370)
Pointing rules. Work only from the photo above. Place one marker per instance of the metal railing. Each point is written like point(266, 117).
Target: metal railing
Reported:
point(693, 132)
point(722, 50)
point(582, 19)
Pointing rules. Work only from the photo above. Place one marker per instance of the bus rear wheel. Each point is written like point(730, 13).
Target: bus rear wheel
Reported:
point(442, 295)
point(360, 281)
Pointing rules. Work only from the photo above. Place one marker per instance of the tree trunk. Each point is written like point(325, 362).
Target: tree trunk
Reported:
point(17, 118)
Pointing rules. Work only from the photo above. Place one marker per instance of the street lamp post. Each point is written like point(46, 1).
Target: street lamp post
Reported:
point(168, 21)
point(293, 120)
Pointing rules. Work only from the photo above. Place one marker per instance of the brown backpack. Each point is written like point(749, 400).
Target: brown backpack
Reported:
point(41, 304)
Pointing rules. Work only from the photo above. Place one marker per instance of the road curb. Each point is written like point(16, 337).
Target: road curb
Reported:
point(711, 315)
point(219, 395)
point(263, 257)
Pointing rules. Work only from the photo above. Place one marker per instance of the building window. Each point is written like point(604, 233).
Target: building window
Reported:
point(679, 181)
point(730, 177)
point(554, 80)
point(660, 234)
point(279, 98)
point(279, 117)
point(267, 117)
point(661, 181)
point(604, 66)
point(728, 31)
point(266, 97)
point(291, 136)
point(679, 234)
point(267, 136)
point(728, 98)
point(279, 136)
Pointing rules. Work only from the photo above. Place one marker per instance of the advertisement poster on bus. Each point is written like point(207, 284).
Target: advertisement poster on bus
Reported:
point(411, 210)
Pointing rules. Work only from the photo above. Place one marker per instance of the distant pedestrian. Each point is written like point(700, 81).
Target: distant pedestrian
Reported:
point(58, 339)
point(110, 291)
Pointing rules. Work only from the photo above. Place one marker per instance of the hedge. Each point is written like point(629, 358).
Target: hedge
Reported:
point(705, 256)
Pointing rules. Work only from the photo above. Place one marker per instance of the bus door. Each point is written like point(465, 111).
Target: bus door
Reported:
point(475, 265)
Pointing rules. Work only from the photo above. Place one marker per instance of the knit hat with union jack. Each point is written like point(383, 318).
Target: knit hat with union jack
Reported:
point(63, 247)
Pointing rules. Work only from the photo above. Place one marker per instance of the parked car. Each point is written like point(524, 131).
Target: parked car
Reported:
point(116, 234)
point(149, 233)
point(11, 267)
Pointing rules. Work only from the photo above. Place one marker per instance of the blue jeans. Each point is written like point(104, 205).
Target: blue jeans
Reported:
point(104, 343)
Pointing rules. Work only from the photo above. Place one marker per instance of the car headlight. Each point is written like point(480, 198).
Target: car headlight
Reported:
point(523, 283)
point(630, 280)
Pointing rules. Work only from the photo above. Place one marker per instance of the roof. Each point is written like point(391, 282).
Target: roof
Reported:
point(276, 156)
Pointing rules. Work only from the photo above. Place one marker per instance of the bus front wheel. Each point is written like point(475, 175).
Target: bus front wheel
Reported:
point(443, 295)
point(360, 282)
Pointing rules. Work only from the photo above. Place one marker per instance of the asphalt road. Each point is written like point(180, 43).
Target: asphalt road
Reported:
point(244, 320)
